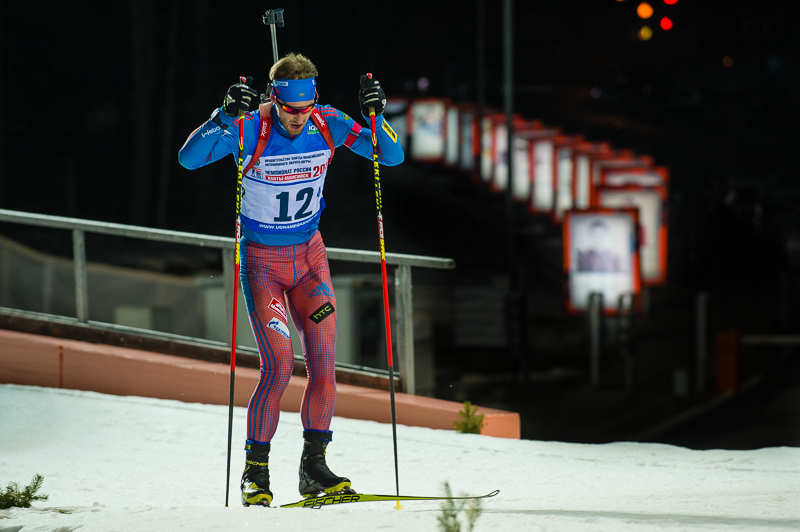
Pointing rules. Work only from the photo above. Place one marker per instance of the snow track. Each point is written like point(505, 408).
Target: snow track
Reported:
point(139, 464)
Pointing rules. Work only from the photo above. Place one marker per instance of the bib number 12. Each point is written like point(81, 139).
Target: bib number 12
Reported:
point(303, 196)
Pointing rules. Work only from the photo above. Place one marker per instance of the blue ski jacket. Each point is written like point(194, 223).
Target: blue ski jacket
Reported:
point(282, 193)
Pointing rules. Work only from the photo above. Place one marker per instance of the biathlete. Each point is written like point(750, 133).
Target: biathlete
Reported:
point(284, 265)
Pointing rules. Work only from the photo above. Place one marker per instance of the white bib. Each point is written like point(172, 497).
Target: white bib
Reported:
point(283, 192)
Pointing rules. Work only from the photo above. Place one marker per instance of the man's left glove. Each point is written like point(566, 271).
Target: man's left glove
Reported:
point(371, 95)
point(240, 96)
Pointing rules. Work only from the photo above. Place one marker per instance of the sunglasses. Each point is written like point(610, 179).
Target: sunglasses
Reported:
point(296, 110)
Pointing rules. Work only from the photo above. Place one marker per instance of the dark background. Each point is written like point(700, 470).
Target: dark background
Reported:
point(97, 98)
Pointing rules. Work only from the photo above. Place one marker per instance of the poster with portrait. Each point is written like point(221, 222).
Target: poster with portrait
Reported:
point(427, 124)
point(650, 201)
point(395, 113)
point(600, 255)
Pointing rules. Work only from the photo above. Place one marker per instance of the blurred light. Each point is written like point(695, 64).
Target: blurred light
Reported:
point(670, 2)
point(644, 10)
point(423, 84)
point(666, 24)
point(595, 92)
point(645, 34)
point(727, 61)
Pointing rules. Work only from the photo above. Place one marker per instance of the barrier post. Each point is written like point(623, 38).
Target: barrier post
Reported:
point(595, 334)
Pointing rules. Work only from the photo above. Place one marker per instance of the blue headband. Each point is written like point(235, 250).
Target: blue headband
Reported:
point(295, 90)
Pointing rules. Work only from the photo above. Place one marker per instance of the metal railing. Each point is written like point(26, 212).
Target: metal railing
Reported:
point(402, 278)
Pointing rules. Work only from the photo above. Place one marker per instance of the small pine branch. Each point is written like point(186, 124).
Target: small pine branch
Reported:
point(13, 497)
point(470, 421)
point(473, 512)
point(448, 520)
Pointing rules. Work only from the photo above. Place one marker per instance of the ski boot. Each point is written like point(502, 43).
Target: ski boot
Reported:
point(255, 479)
point(315, 477)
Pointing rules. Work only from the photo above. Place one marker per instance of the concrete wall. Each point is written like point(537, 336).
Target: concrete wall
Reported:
point(61, 363)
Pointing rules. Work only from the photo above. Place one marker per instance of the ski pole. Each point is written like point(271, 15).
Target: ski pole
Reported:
point(235, 294)
point(379, 204)
point(272, 17)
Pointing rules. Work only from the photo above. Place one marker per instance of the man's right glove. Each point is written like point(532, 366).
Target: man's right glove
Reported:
point(371, 95)
point(240, 96)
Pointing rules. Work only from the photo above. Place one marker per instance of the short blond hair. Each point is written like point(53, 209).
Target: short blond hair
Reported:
point(293, 66)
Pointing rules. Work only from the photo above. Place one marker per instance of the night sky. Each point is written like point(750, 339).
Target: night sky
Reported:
point(99, 96)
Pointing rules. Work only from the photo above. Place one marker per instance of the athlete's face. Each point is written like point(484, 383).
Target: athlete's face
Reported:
point(294, 115)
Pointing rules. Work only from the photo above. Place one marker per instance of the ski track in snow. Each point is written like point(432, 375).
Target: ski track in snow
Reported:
point(139, 464)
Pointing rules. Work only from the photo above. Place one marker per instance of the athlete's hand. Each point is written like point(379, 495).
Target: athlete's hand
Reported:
point(371, 95)
point(240, 96)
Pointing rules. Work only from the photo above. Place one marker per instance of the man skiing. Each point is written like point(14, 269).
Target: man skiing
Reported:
point(288, 144)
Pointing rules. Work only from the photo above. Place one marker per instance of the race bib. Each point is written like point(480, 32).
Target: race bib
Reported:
point(282, 193)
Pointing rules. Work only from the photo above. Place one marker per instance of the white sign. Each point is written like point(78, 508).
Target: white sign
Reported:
point(452, 143)
point(467, 153)
point(601, 256)
point(582, 180)
point(427, 123)
point(649, 203)
point(542, 197)
point(500, 173)
point(563, 192)
point(521, 184)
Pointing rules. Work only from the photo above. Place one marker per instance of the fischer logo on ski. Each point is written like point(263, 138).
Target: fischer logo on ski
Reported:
point(331, 499)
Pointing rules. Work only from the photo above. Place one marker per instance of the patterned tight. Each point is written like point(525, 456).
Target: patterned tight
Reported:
point(298, 277)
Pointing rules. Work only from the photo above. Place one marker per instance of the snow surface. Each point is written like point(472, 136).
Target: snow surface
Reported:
point(137, 464)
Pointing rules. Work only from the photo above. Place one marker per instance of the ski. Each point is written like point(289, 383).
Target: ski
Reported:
point(346, 498)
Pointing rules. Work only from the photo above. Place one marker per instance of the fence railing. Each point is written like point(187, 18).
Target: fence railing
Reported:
point(403, 282)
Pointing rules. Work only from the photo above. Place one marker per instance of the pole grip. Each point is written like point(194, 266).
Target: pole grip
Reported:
point(374, 135)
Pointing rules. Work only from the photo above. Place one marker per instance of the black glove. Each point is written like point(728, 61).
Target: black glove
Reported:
point(240, 96)
point(371, 95)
